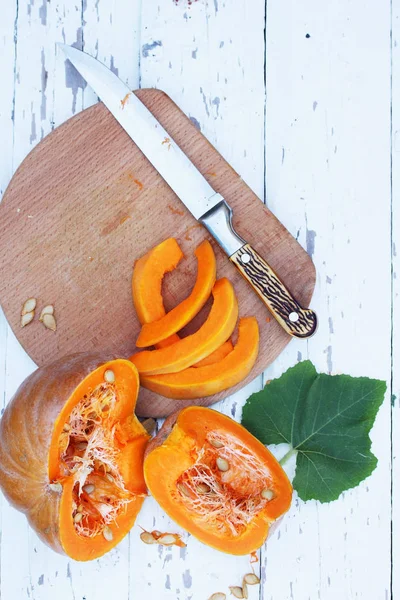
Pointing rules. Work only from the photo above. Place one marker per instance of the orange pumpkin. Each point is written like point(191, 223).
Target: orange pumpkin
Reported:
point(215, 330)
point(147, 277)
point(71, 453)
point(214, 377)
point(218, 354)
point(178, 317)
point(216, 480)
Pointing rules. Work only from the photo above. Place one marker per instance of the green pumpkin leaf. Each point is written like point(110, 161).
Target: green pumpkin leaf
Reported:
point(326, 419)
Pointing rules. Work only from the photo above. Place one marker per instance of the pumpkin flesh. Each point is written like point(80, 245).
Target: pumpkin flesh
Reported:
point(224, 509)
point(147, 278)
point(158, 330)
point(218, 354)
point(200, 381)
point(217, 328)
point(69, 444)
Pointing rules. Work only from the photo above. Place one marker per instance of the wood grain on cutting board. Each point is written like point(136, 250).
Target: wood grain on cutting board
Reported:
point(86, 203)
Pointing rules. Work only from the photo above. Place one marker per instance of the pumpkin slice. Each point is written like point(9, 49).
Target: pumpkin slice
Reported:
point(183, 313)
point(216, 480)
point(147, 278)
point(197, 382)
point(215, 331)
point(71, 453)
point(216, 356)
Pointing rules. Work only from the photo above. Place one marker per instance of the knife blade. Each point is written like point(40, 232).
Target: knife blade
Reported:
point(205, 204)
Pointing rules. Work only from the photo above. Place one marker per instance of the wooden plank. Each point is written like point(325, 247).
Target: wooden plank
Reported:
point(328, 179)
point(47, 92)
point(217, 78)
point(14, 575)
point(395, 243)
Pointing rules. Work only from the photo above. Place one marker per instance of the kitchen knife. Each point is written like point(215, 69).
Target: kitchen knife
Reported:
point(205, 204)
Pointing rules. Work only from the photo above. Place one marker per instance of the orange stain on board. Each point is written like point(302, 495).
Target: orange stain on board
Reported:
point(115, 223)
point(175, 211)
point(167, 140)
point(138, 183)
point(211, 173)
point(125, 99)
point(187, 236)
point(268, 320)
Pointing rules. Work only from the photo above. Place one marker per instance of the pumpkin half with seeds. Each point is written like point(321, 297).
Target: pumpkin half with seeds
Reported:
point(216, 480)
point(71, 453)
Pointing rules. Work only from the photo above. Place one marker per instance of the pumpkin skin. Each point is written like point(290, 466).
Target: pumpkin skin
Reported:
point(177, 448)
point(217, 328)
point(212, 377)
point(161, 329)
point(29, 452)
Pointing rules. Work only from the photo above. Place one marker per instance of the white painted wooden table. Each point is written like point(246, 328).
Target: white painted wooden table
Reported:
point(303, 98)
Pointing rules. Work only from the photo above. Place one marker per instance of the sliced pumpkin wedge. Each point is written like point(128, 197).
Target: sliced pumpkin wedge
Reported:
point(211, 379)
point(156, 331)
point(215, 331)
point(147, 278)
point(216, 356)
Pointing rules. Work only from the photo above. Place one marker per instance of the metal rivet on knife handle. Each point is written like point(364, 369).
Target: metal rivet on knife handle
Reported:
point(295, 320)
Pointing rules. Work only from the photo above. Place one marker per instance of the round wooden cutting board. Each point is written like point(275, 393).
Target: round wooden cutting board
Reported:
point(86, 203)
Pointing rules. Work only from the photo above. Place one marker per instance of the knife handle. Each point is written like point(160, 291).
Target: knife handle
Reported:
point(295, 320)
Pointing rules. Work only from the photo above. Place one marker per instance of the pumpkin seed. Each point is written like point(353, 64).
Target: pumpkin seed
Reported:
point(89, 488)
point(110, 477)
point(216, 443)
point(108, 534)
point(56, 487)
point(26, 318)
point(267, 494)
point(109, 376)
point(147, 538)
point(47, 310)
point(236, 591)
point(49, 322)
point(218, 596)
point(167, 539)
point(66, 427)
point(28, 306)
point(78, 517)
point(222, 464)
point(245, 590)
point(183, 489)
point(203, 488)
point(80, 508)
point(251, 579)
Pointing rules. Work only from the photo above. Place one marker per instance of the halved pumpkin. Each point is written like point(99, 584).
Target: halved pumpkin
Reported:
point(216, 356)
point(216, 480)
point(197, 382)
point(147, 277)
point(158, 330)
point(71, 453)
point(215, 331)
